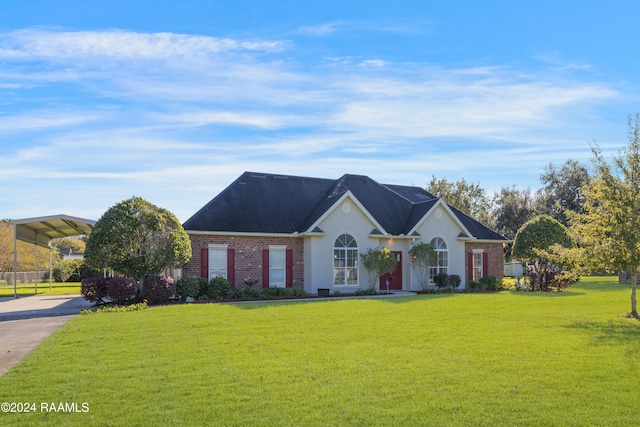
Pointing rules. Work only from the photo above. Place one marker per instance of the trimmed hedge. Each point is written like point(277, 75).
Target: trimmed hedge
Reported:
point(121, 290)
point(190, 286)
point(158, 289)
point(94, 289)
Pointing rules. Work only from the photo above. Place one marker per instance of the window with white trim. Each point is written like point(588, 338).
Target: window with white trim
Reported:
point(443, 258)
point(277, 266)
point(345, 261)
point(218, 261)
point(477, 265)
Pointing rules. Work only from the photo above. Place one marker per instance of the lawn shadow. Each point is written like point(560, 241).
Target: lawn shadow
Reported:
point(250, 305)
point(547, 294)
point(618, 333)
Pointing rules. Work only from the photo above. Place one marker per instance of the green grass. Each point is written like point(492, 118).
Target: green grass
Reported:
point(27, 289)
point(512, 359)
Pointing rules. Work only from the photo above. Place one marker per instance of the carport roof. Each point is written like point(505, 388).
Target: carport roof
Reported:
point(41, 230)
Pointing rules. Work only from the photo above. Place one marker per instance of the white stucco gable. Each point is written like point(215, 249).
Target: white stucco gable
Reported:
point(439, 209)
point(346, 203)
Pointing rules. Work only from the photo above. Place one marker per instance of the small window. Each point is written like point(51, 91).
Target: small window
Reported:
point(277, 267)
point(217, 261)
point(477, 265)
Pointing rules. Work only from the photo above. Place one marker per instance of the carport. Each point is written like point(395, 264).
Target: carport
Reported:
point(40, 231)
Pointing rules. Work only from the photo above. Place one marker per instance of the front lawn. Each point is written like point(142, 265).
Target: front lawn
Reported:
point(27, 289)
point(509, 359)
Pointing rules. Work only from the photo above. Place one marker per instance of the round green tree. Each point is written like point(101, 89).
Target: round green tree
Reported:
point(137, 238)
point(423, 256)
point(535, 242)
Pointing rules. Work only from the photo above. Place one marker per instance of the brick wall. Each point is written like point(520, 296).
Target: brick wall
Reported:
point(495, 253)
point(248, 256)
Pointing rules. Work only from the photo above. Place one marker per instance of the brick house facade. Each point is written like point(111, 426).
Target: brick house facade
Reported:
point(246, 256)
point(308, 233)
point(492, 262)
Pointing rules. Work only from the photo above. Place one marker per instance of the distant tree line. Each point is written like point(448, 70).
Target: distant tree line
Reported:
point(509, 209)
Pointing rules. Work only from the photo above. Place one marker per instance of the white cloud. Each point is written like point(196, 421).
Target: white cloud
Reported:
point(39, 120)
point(376, 63)
point(122, 45)
point(319, 30)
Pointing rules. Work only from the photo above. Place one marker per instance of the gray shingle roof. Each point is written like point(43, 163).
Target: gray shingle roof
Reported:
point(267, 203)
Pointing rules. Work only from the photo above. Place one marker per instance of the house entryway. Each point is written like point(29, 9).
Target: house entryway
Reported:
point(395, 278)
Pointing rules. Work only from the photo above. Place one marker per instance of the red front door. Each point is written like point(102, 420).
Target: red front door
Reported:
point(395, 278)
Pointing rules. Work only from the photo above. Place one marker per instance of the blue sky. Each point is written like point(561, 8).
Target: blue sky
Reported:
point(171, 101)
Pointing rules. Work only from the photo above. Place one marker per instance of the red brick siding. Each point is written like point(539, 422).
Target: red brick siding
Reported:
point(495, 258)
point(248, 256)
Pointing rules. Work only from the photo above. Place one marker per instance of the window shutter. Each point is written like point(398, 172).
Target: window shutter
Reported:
point(231, 266)
point(470, 266)
point(485, 264)
point(204, 263)
point(289, 268)
point(265, 268)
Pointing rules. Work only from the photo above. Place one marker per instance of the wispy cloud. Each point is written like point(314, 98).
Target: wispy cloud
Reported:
point(61, 45)
point(319, 30)
point(173, 116)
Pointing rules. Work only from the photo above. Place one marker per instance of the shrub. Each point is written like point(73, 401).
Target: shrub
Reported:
point(238, 293)
point(298, 292)
point(565, 279)
point(116, 309)
point(368, 291)
point(274, 292)
point(67, 270)
point(545, 281)
point(252, 293)
point(94, 289)
point(121, 290)
point(489, 283)
point(158, 289)
point(441, 280)
point(189, 286)
point(218, 288)
point(454, 281)
point(474, 286)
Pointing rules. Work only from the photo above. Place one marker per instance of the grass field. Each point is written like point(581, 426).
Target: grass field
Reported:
point(27, 289)
point(512, 359)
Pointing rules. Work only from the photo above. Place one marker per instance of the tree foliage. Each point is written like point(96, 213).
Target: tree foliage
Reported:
point(66, 269)
point(544, 242)
point(469, 197)
point(76, 244)
point(609, 228)
point(562, 189)
point(137, 238)
point(378, 262)
point(512, 208)
point(538, 235)
point(423, 256)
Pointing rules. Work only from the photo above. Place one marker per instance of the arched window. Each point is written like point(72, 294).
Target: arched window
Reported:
point(345, 261)
point(443, 258)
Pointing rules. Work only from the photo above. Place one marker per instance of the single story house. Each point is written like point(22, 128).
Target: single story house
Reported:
point(301, 232)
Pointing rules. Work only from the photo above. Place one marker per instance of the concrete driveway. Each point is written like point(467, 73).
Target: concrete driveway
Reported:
point(26, 322)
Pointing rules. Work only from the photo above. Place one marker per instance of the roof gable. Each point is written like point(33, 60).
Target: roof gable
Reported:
point(337, 202)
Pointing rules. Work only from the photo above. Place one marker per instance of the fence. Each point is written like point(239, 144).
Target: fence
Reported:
point(6, 278)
